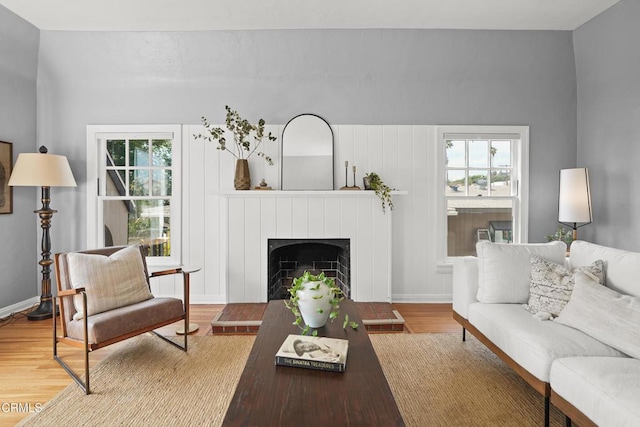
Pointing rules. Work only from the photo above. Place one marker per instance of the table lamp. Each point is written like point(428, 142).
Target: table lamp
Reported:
point(46, 171)
point(574, 201)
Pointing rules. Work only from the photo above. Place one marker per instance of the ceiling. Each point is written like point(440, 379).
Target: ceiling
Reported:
point(188, 15)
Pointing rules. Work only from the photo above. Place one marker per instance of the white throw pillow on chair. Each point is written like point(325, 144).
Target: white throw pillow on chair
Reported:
point(110, 281)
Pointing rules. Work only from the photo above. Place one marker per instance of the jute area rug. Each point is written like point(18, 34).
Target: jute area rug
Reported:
point(437, 380)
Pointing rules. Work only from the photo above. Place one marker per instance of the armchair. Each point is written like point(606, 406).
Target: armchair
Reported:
point(104, 297)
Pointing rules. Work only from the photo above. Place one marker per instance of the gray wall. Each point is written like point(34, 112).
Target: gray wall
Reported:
point(346, 76)
point(607, 55)
point(18, 231)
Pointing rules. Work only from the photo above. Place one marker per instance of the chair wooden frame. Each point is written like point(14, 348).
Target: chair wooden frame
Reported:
point(66, 292)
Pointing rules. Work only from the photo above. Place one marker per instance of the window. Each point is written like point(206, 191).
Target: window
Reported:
point(138, 189)
point(483, 186)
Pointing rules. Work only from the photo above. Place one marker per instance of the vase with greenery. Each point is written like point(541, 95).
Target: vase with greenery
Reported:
point(247, 139)
point(562, 235)
point(313, 300)
point(372, 181)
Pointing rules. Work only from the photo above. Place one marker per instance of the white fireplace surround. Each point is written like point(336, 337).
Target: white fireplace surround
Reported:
point(254, 217)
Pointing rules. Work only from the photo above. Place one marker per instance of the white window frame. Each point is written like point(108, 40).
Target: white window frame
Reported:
point(521, 174)
point(96, 137)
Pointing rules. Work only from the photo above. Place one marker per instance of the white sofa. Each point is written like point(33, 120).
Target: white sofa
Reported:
point(579, 361)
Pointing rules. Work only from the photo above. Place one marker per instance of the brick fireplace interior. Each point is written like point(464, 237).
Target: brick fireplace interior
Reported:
point(289, 258)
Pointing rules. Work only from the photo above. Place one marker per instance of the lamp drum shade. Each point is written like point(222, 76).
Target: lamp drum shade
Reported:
point(575, 196)
point(42, 170)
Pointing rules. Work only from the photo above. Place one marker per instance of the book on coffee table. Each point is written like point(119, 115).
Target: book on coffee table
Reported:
point(325, 354)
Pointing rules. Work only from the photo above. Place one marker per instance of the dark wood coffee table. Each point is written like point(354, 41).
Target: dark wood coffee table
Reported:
point(270, 395)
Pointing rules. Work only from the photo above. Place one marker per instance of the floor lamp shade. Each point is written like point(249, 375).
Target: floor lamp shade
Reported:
point(42, 170)
point(574, 201)
point(45, 171)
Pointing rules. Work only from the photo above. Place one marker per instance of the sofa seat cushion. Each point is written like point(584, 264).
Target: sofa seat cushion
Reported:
point(605, 389)
point(531, 343)
point(120, 321)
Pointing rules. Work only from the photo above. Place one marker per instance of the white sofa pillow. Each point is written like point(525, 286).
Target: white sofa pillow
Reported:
point(552, 284)
point(505, 269)
point(604, 314)
point(110, 281)
point(622, 267)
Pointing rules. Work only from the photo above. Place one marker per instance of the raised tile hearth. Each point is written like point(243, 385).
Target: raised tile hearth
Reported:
point(245, 318)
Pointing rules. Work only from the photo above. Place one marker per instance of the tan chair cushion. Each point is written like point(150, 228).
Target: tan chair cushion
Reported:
point(126, 320)
point(110, 281)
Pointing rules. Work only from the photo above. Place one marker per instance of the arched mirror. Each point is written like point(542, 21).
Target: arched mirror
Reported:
point(307, 154)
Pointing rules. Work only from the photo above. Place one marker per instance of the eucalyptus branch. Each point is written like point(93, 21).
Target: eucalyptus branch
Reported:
point(258, 139)
point(243, 132)
point(215, 134)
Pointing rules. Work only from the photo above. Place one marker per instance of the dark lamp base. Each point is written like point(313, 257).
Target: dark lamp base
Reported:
point(44, 311)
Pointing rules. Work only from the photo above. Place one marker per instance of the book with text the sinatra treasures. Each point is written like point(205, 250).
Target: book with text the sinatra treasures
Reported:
point(325, 354)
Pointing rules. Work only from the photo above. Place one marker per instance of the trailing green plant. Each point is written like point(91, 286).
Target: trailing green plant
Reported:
point(562, 235)
point(381, 190)
point(336, 296)
point(247, 137)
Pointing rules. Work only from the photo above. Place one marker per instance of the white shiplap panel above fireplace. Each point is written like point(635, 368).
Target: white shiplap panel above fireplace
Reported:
point(254, 217)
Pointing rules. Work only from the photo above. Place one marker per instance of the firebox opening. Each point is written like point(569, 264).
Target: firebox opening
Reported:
point(289, 258)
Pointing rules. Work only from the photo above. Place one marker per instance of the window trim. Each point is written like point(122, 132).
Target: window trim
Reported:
point(521, 204)
point(95, 134)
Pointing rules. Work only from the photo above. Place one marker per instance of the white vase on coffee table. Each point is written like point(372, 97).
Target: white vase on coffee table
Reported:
point(314, 303)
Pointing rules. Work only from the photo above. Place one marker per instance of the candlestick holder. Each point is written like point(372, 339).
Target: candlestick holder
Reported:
point(346, 178)
point(346, 174)
point(355, 187)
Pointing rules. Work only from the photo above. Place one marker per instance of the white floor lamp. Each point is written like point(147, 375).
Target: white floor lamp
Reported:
point(46, 171)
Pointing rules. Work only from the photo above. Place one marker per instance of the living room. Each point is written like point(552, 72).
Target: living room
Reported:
point(575, 88)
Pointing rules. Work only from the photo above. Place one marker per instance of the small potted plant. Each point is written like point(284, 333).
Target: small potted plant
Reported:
point(372, 181)
point(562, 235)
point(247, 139)
point(314, 300)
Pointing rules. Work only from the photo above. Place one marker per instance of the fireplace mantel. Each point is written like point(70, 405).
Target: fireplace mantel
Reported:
point(305, 194)
point(251, 217)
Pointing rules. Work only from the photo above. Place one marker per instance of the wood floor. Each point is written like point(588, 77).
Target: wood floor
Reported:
point(29, 376)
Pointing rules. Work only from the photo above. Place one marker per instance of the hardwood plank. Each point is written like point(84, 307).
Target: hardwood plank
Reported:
point(428, 318)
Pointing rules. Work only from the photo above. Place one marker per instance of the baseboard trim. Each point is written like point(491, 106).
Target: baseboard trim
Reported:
point(20, 306)
point(422, 298)
point(198, 299)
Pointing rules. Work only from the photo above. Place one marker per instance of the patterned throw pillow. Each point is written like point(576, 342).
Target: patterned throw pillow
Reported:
point(110, 281)
point(552, 284)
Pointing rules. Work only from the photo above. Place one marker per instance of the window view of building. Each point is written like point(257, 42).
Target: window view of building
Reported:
point(137, 199)
point(481, 190)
